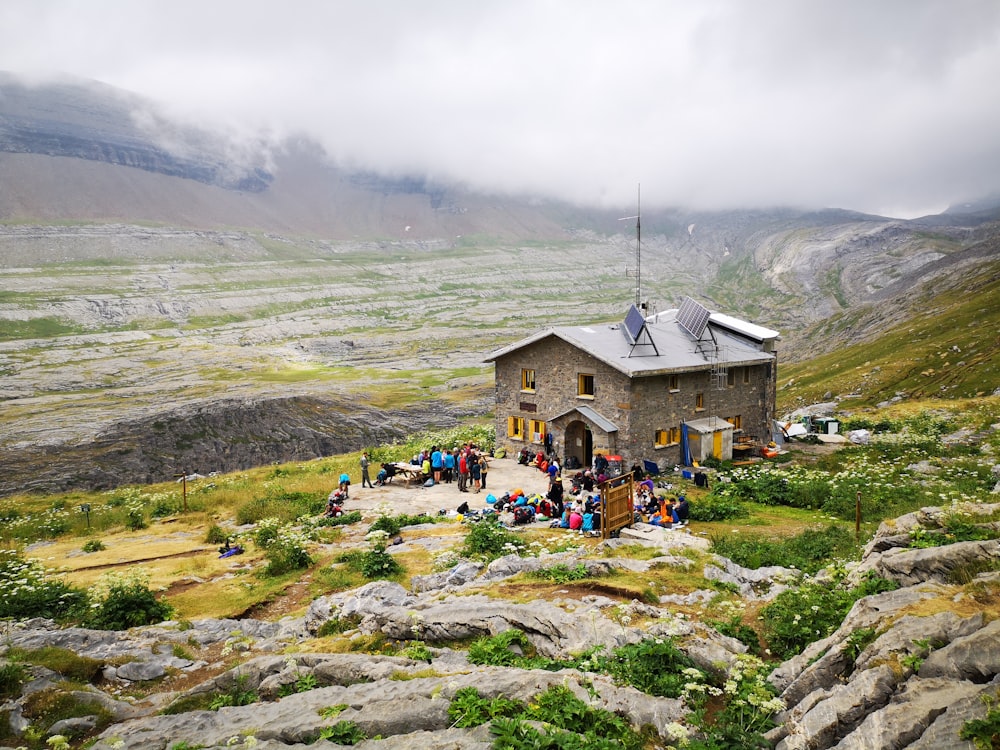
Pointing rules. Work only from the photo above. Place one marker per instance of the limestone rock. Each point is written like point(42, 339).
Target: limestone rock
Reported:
point(973, 657)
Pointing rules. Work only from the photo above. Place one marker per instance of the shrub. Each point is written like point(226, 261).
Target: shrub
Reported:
point(353, 517)
point(135, 517)
point(237, 695)
point(812, 611)
point(27, 591)
point(343, 733)
point(215, 535)
point(656, 667)
point(284, 547)
point(808, 551)
point(122, 601)
point(489, 540)
point(62, 661)
point(561, 573)
point(93, 545)
point(496, 650)
point(376, 562)
point(469, 709)
point(12, 676)
point(984, 733)
point(714, 507)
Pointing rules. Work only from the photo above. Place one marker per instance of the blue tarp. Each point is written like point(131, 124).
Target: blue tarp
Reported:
point(685, 444)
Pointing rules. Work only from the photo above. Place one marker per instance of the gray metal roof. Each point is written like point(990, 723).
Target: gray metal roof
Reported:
point(603, 422)
point(678, 352)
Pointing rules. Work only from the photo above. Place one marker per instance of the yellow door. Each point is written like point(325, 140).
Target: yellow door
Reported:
point(717, 444)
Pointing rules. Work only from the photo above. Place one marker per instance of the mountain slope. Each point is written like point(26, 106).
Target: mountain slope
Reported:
point(134, 288)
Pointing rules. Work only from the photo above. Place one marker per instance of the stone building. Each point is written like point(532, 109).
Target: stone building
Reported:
point(647, 389)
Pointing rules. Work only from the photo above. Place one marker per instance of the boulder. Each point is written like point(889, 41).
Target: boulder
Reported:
point(939, 564)
point(833, 714)
point(908, 714)
point(974, 657)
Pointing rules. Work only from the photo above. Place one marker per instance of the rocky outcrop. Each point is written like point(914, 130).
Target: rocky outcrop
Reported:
point(218, 437)
point(905, 669)
point(930, 664)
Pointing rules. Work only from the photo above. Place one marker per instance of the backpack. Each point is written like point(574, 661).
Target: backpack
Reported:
point(523, 515)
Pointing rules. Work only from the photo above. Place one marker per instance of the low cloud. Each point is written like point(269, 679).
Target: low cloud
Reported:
point(886, 107)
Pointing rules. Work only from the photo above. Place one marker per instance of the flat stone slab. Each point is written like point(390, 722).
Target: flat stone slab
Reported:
point(665, 538)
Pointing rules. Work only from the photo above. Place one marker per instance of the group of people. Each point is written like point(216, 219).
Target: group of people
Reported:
point(467, 466)
point(668, 512)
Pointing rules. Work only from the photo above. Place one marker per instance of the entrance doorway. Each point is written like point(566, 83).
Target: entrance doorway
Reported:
point(579, 443)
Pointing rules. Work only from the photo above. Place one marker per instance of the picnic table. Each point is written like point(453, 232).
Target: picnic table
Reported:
point(409, 472)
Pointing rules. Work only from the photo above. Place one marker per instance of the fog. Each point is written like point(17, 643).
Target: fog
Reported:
point(889, 107)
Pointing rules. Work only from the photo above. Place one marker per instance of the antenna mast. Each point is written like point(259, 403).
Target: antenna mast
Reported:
point(638, 243)
point(638, 234)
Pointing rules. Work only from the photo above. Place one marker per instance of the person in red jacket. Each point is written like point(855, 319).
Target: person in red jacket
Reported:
point(463, 472)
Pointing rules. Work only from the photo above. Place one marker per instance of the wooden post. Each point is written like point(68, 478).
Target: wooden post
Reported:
point(857, 518)
point(184, 489)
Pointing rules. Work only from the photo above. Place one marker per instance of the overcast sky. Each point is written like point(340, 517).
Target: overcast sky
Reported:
point(887, 106)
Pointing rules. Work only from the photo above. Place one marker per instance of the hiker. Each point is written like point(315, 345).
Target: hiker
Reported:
point(437, 464)
point(463, 472)
point(600, 464)
point(448, 472)
point(364, 471)
point(555, 496)
point(484, 467)
point(334, 506)
point(682, 510)
point(476, 472)
point(345, 484)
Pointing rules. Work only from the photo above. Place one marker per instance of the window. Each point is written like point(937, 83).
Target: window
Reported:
point(528, 380)
point(673, 383)
point(536, 428)
point(585, 385)
point(663, 438)
point(746, 376)
point(699, 401)
point(736, 421)
point(515, 428)
point(731, 377)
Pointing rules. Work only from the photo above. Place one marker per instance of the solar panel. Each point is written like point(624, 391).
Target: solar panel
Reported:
point(634, 321)
point(693, 317)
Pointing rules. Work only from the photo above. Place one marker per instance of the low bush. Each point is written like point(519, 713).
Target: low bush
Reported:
point(808, 551)
point(375, 563)
point(281, 505)
point(713, 507)
point(561, 573)
point(26, 590)
point(498, 651)
point(489, 540)
point(353, 517)
point(215, 535)
point(812, 611)
point(343, 733)
point(62, 661)
point(12, 676)
point(656, 667)
point(123, 600)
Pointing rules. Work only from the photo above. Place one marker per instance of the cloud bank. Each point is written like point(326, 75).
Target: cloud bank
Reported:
point(888, 107)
